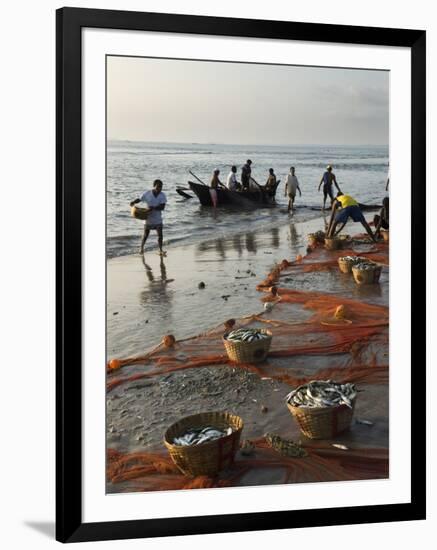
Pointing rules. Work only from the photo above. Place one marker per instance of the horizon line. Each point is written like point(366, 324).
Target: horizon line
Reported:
point(252, 144)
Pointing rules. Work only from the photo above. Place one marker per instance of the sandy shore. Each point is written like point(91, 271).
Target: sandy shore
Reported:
point(148, 299)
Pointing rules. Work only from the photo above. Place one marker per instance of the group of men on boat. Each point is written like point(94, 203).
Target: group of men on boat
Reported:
point(343, 206)
point(246, 185)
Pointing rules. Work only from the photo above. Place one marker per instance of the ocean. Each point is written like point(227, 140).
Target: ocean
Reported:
point(132, 166)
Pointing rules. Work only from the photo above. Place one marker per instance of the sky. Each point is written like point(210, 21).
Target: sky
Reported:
point(238, 103)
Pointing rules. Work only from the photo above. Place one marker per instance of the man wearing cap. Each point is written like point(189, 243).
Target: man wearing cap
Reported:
point(347, 208)
point(245, 175)
point(155, 200)
point(328, 179)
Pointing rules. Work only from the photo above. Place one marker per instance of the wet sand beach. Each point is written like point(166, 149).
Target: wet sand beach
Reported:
point(152, 296)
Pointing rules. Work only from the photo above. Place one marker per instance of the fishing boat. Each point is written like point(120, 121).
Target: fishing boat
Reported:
point(256, 197)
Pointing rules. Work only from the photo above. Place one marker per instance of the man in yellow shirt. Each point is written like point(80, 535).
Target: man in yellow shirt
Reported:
point(348, 208)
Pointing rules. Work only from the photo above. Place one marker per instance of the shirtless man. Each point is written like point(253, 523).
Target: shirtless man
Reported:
point(328, 179)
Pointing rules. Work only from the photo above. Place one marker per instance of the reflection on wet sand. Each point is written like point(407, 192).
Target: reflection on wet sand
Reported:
point(293, 235)
point(236, 244)
point(275, 237)
point(156, 297)
point(220, 247)
point(251, 242)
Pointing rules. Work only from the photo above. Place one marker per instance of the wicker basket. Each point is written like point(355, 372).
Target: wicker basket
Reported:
point(332, 243)
point(206, 459)
point(248, 352)
point(345, 241)
point(347, 265)
point(323, 422)
point(139, 213)
point(367, 276)
point(316, 238)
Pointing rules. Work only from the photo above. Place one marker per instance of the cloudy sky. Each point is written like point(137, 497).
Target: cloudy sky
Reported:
point(215, 102)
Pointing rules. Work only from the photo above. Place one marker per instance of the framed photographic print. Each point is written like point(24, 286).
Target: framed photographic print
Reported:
point(240, 274)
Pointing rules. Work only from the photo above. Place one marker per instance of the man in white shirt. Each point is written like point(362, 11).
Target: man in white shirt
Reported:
point(155, 200)
point(231, 180)
point(291, 185)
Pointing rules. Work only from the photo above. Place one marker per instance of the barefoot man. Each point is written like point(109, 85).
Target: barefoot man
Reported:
point(343, 208)
point(291, 186)
point(155, 200)
point(328, 179)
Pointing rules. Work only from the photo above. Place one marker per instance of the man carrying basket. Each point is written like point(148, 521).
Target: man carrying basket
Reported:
point(156, 201)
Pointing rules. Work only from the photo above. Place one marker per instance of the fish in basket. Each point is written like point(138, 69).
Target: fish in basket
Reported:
point(346, 263)
point(322, 408)
point(204, 443)
point(247, 345)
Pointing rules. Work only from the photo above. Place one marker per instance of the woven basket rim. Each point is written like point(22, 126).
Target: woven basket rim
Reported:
point(320, 409)
point(170, 445)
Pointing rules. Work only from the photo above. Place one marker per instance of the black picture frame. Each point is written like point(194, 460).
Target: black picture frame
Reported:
point(69, 525)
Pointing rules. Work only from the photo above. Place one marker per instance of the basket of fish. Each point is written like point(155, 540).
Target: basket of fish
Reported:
point(333, 243)
point(345, 241)
point(247, 345)
point(139, 213)
point(316, 238)
point(204, 443)
point(322, 408)
point(367, 273)
point(345, 263)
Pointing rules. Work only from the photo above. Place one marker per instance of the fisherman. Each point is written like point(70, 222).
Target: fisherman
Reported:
point(328, 179)
point(271, 181)
point(270, 185)
point(348, 208)
point(231, 181)
point(245, 175)
point(388, 181)
point(215, 182)
point(381, 221)
point(291, 186)
point(156, 201)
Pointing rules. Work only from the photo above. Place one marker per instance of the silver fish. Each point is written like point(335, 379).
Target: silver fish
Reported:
point(339, 446)
point(197, 436)
point(365, 422)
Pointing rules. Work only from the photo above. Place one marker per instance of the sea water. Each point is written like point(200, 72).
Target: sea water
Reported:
point(361, 171)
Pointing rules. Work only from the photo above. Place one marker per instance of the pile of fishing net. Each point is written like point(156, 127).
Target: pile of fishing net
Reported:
point(326, 319)
point(147, 471)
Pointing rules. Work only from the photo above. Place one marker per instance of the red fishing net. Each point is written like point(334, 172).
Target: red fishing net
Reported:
point(337, 331)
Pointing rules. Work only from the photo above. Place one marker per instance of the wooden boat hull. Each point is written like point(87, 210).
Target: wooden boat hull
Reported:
point(250, 199)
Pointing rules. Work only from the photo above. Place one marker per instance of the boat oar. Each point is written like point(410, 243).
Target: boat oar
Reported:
point(183, 194)
point(198, 179)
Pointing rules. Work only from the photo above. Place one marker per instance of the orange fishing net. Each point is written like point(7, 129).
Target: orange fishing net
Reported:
point(156, 472)
point(337, 321)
